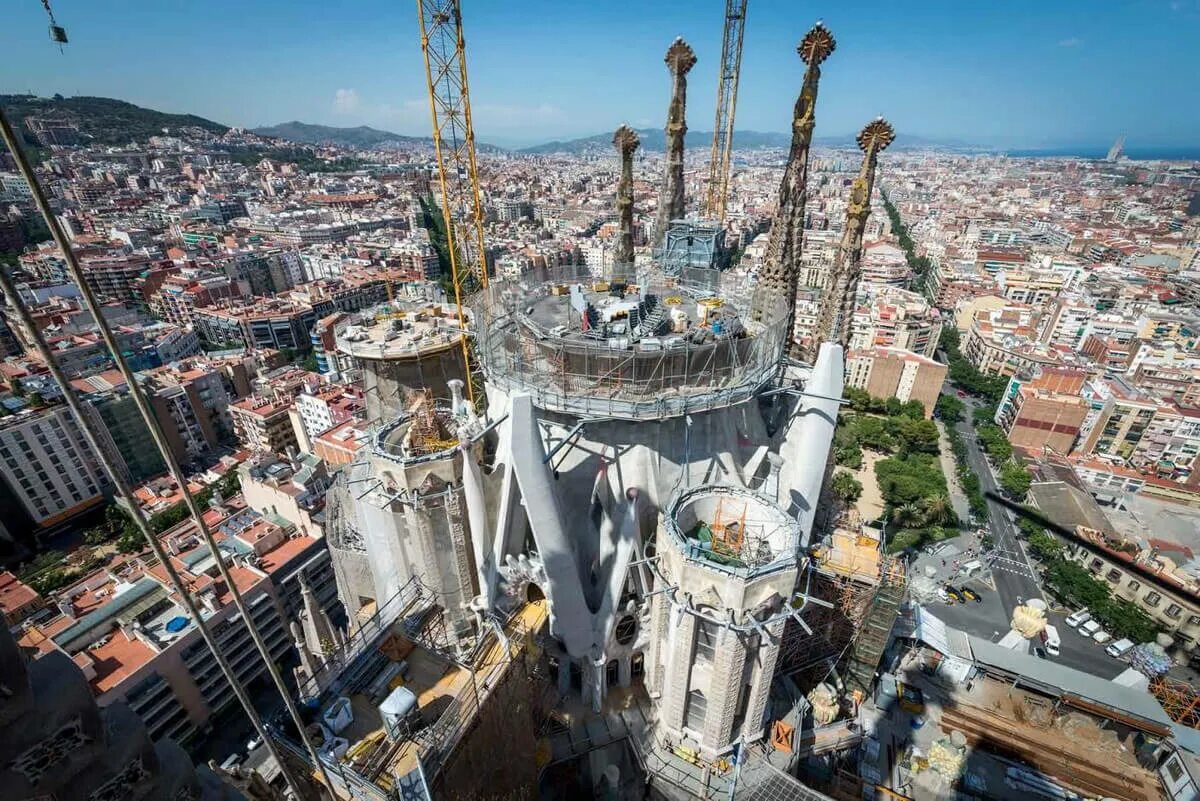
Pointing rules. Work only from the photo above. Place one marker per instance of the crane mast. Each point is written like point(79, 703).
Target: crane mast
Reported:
point(444, 48)
point(727, 86)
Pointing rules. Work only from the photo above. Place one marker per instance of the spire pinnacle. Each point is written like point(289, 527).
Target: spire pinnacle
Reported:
point(817, 45)
point(680, 57)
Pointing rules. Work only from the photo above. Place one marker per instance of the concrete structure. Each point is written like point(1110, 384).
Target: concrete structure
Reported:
point(48, 466)
point(262, 423)
point(679, 59)
point(58, 744)
point(125, 627)
point(728, 569)
point(1044, 412)
point(894, 372)
point(780, 271)
point(837, 307)
point(626, 142)
point(400, 510)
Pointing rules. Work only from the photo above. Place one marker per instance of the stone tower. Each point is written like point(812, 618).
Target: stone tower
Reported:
point(837, 307)
point(57, 743)
point(680, 60)
point(626, 141)
point(781, 268)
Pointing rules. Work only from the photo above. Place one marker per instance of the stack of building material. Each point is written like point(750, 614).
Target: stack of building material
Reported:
point(1151, 659)
point(1029, 620)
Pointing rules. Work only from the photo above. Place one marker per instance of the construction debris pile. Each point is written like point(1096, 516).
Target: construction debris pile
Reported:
point(948, 756)
point(1030, 621)
point(825, 706)
point(1150, 659)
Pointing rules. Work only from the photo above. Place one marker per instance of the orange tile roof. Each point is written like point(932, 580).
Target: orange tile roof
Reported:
point(116, 660)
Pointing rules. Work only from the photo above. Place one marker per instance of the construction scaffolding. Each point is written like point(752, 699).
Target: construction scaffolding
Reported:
point(862, 583)
point(1179, 700)
point(533, 337)
point(875, 629)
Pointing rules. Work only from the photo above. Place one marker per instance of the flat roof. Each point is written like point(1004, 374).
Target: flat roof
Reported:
point(1063, 680)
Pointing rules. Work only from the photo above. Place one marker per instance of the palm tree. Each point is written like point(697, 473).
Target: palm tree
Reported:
point(936, 510)
point(846, 487)
point(907, 516)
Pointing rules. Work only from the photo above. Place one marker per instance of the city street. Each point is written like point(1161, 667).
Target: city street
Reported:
point(1014, 575)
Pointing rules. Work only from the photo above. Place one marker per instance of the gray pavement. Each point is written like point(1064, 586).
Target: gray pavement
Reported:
point(1011, 575)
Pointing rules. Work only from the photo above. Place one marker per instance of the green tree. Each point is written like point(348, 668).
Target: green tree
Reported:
point(1015, 479)
point(848, 456)
point(914, 409)
point(859, 399)
point(36, 400)
point(937, 510)
point(18, 388)
point(846, 487)
point(908, 515)
point(96, 536)
point(893, 406)
point(310, 362)
point(950, 409)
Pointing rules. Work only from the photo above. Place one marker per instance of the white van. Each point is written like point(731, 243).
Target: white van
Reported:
point(1119, 648)
point(1075, 618)
point(971, 569)
point(1052, 640)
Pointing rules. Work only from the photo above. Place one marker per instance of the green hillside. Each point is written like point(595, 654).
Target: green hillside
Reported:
point(107, 121)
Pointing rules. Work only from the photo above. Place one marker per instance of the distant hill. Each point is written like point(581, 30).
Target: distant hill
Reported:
point(361, 136)
point(107, 121)
point(654, 140)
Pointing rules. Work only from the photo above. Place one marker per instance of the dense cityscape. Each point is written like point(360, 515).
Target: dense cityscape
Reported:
point(615, 468)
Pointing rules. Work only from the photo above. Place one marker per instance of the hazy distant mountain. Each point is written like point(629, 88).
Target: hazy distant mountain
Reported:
point(105, 120)
point(362, 136)
point(654, 140)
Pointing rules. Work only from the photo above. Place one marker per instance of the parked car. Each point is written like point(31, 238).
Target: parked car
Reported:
point(1051, 639)
point(971, 595)
point(953, 593)
point(1101, 636)
point(1075, 618)
point(945, 596)
point(1119, 648)
point(1089, 628)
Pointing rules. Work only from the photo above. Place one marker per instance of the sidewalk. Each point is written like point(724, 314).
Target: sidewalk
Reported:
point(946, 456)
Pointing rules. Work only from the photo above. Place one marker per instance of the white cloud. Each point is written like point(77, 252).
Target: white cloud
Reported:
point(345, 101)
point(1073, 41)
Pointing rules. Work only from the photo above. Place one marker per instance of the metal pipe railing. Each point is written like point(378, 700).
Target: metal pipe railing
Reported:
point(176, 471)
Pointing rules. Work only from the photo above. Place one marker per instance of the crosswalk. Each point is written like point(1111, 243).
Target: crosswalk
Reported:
point(1003, 560)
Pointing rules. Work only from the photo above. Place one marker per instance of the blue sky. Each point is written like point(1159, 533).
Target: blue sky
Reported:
point(1019, 73)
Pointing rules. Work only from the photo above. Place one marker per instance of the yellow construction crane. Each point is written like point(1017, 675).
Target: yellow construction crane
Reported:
point(454, 145)
point(727, 86)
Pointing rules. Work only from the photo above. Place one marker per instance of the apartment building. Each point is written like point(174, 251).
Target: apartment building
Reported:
point(113, 277)
point(1035, 287)
point(1170, 443)
point(318, 409)
point(262, 423)
point(192, 407)
point(265, 323)
point(893, 372)
point(896, 318)
point(1003, 342)
point(49, 466)
point(1124, 413)
point(1045, 411)
point(127, 629)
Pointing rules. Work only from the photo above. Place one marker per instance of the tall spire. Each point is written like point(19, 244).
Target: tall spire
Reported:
point(626, 141)
point(781, 270)
point(680, 60)
point(837, 306)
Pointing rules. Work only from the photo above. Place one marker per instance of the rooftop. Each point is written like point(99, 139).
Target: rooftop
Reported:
point(399, 330)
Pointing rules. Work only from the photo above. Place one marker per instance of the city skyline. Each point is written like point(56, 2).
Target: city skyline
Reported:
point(1024, 78)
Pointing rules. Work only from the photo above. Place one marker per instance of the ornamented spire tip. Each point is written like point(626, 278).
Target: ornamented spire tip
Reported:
point(680, 57)
point(816, 45)
point(876, 136)
point(625, 139)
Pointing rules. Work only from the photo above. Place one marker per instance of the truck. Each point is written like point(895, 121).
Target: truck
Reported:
point(1051, 638)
